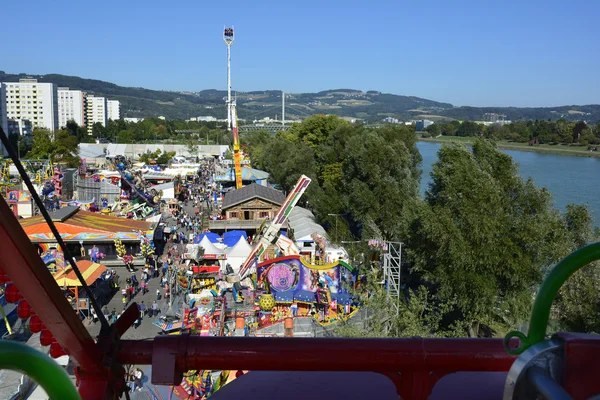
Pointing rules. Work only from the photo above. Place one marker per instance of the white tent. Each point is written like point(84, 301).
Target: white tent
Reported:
point(208, 247)
point(237, 254)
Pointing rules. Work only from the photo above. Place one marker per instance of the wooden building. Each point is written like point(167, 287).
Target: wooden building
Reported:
point(247, 208)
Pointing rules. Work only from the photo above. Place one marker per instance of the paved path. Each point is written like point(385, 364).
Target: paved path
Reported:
point(145, 330)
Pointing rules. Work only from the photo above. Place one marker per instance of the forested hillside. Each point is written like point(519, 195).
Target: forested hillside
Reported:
point(370, 106)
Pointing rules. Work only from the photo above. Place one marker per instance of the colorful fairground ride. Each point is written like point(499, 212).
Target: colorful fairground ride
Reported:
point(133, 184)
point(291, 286)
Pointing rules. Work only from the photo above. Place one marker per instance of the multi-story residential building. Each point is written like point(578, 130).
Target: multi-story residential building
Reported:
point(71, 106)
point(96, 110)
point(28, 104)
point(114, 110)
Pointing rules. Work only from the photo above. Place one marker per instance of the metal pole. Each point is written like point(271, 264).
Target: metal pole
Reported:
point(545, 385)
point(282, 108)
point(228, 89)
point(336, 224)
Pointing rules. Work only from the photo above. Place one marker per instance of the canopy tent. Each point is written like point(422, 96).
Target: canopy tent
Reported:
point(89, 270)
point(67, 279)
point(302, 222)
point(209, 247)
point(230, 238)
point(212, 237)
point(305, 228)
point(237, 254)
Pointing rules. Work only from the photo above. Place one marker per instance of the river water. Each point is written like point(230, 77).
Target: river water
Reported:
point(570, 179)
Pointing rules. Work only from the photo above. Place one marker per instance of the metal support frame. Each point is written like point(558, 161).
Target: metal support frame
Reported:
point(392, 270)
point(414, 365)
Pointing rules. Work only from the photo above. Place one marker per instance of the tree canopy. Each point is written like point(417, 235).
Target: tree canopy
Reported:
point(369, 177)
point(64, 147)
point(477, 246)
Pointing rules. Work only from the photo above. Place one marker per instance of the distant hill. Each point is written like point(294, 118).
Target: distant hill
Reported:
point(371, 106)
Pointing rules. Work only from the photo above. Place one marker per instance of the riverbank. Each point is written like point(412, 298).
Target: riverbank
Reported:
point(540, 148)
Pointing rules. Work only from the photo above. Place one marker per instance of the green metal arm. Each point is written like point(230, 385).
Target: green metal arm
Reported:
point(41, 368)
point(546, 295)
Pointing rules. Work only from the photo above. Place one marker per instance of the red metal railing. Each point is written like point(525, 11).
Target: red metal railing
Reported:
point(414, 365)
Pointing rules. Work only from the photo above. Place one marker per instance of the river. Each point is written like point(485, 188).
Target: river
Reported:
point(570, 179)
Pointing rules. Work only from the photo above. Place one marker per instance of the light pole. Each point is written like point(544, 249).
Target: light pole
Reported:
point(336, 224)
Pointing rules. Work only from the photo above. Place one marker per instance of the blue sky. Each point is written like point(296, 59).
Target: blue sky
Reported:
point(480, 53)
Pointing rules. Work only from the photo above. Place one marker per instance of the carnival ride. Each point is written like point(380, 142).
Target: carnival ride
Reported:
point(38, 171)
point(134, 180)
point(270, 231)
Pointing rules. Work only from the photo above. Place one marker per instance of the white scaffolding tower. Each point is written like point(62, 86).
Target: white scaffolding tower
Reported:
point(392, 269)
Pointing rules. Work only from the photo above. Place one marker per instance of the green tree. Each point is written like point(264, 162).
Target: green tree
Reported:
point(192, 147)
point(41, 147)
point(418, 314)
point(484, 236)
point(65, 149)
point(314, 130)
point(578, 304)
point(434, 130)
point(126, 136)
point(75, 130)
point(468, 128)
point(98, 130)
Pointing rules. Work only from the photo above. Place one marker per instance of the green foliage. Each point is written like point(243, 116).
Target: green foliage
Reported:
point(538, 132)
point(158, 157)
point(417, 314)
point(41, 147)
point(484, 236)
point(64, 147)
point(315, 130)
point(578, 304)
point(75, 130)
point(98, 130)
point(370, 176)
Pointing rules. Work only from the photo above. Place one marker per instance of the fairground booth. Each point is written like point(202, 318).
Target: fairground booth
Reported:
point(82, 230)
point(67, 280)
point(94, 274)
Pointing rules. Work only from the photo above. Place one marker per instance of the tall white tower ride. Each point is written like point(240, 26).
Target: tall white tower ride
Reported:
point(228, 38)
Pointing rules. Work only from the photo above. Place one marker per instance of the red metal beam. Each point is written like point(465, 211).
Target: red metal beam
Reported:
point(20, 260)
point(172, 355)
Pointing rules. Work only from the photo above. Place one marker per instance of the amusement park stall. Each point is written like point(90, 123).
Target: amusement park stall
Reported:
point(67, 280)
point(84, 229)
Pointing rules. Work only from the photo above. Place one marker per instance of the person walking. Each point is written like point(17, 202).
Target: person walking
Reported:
point(154, 309)
point(141, 309)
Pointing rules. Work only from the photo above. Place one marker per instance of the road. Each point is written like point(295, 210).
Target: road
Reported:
point(145, 329)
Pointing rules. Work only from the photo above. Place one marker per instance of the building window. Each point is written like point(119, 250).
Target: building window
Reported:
point(233, 214)
point(263, 214)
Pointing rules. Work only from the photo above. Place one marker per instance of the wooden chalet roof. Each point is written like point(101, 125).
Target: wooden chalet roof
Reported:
point(252, 191)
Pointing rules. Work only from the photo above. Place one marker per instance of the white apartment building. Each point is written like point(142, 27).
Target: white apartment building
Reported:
point(71, 106)
point(114, 110)
point(96, 110)
point(28, 104)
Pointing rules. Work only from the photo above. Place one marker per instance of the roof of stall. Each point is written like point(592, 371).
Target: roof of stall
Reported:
point(75, 224)
point(90, 271)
